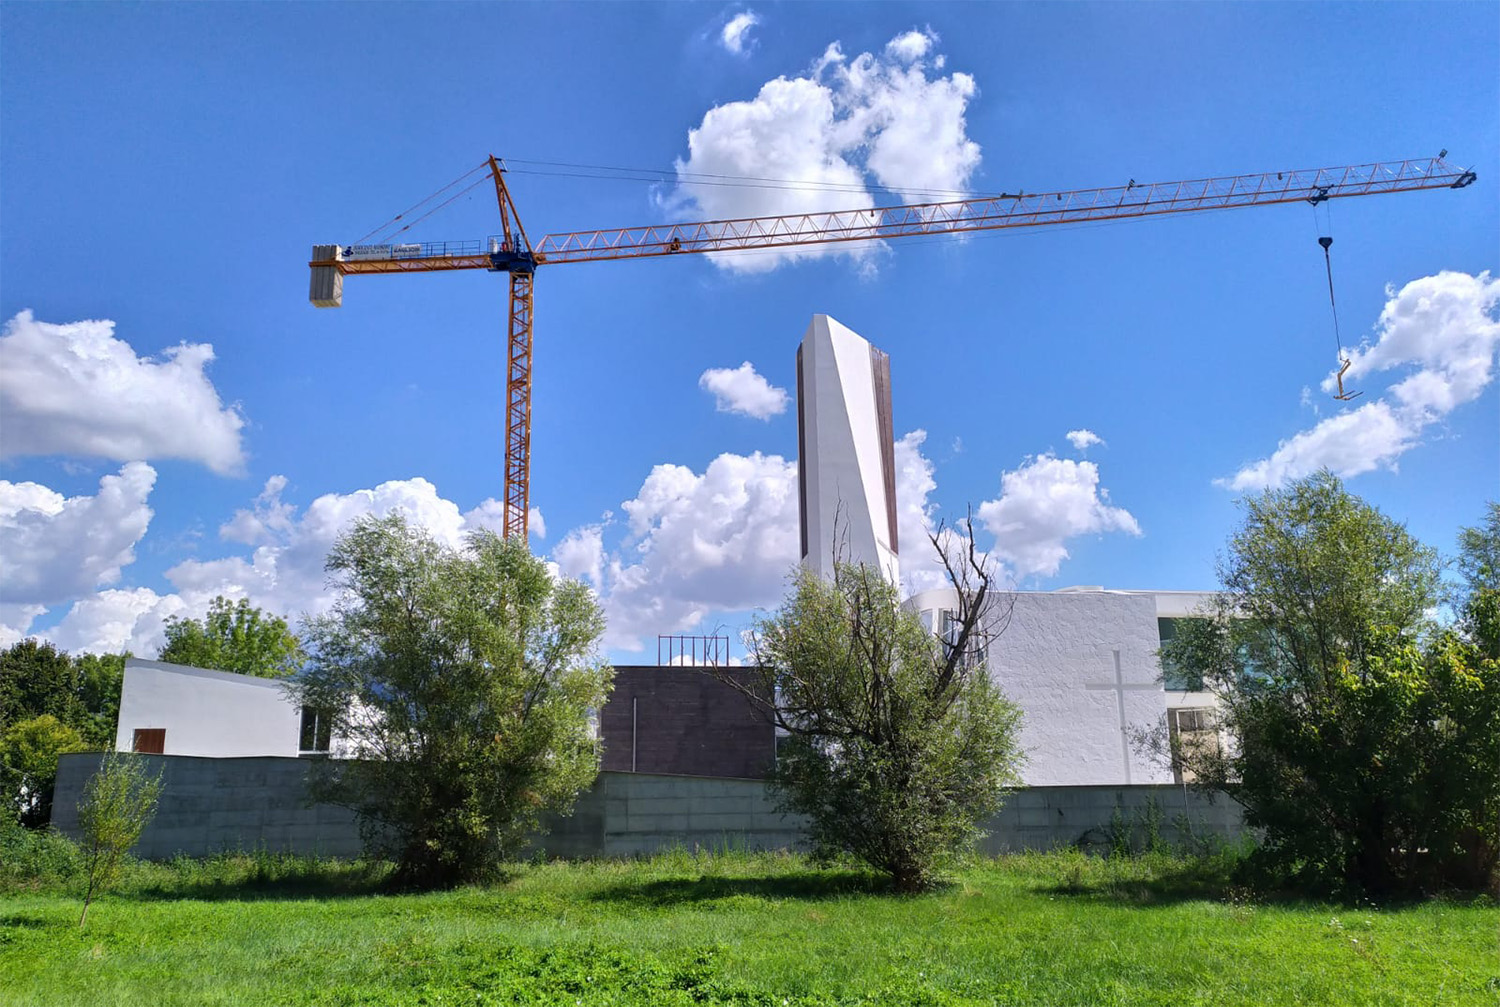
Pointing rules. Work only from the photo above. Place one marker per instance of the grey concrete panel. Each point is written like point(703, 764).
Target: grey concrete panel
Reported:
point(676, 824)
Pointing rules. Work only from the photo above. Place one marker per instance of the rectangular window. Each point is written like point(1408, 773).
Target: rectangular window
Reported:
point(1177, 678)
point(1166, 630)
point(950, 629)
point(149, 740)
point(1194, 733)
point(317, 731)
point(1192, 720)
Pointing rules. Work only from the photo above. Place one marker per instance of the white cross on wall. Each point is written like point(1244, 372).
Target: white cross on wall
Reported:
point(1120, 688)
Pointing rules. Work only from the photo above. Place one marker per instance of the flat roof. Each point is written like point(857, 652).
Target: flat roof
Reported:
point(210, 674)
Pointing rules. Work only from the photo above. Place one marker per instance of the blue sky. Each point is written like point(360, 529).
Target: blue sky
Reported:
point(167, 168)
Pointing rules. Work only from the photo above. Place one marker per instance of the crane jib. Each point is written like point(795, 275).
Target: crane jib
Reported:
point(513, 253)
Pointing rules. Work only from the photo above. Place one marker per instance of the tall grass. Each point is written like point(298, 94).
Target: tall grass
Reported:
point(45, 862)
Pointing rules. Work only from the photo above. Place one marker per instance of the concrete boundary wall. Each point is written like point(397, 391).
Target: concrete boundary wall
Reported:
point(212, 805)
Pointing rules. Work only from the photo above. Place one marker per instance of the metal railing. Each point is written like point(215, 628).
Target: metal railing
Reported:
point(703, 651)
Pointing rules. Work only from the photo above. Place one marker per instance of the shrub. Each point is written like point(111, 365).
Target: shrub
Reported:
point(118, 801)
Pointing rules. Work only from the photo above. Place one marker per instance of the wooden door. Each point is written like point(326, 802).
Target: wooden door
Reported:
point(149, 740)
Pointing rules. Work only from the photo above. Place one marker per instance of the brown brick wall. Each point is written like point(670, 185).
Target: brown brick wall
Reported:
point(686, 722)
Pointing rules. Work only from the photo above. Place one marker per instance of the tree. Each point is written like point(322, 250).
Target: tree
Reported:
point(119, 801)
point(28, 765)
point(235, 637)
point(35, 679)
point(1364, 741)
point(1478, 598)
point(462, 680)
point(1479, 552)
point(899, 744)
point(98, 679)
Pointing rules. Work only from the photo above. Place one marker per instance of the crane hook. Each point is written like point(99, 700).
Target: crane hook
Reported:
point(1344, 396)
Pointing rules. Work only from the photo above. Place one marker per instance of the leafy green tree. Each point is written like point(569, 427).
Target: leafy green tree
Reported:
point(83, 692)
point(119, 801)
point(35, 679)
point(1479, 552)
point(28, 765)
point(898, 744)
point(462, 680)
point(1479, 596)
point(235, 637)
point(97, 682)
point(1364, 741)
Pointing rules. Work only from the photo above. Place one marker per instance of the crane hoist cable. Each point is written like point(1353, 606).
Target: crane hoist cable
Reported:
point(1325, 239)
point(1344, 359)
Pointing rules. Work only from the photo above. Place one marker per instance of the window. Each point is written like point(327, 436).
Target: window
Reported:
point(1194, 733)
point(317, 731)
point(1194, 720)
point(1177, 678)
point(949, 629)
point(149, 740)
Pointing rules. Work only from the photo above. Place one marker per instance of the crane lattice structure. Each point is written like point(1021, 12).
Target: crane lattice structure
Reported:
point(512, 252)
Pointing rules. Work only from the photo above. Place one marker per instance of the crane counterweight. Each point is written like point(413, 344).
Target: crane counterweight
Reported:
point(327, 290)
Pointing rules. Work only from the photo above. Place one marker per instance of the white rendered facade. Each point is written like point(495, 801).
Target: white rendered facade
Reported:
point(846, 451)
point(1081, 663)
point(217, 714)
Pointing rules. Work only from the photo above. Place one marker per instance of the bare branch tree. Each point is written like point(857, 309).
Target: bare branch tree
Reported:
point(898, 743)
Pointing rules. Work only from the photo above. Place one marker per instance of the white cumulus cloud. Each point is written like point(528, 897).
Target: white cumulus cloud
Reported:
point(735, 36)
point(816, 141)
point(54, 548)
point(76, 389)
point(491, 515)
point(580, 555)
point(701, 547)
point(912, 45)
point(16, 620)
point(741, 390)
point(282, 573)
point(1442, 331)
point(119, 620)
point(1043, 504)
point(917, 517)
point(1082, 440)
point(722, 540)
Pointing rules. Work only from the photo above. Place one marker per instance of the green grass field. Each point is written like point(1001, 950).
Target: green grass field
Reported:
point(1059, 929)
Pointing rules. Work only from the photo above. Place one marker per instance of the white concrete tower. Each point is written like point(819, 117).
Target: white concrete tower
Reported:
point(846, 451)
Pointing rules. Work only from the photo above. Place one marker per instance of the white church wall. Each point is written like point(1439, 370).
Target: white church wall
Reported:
point(1056, 660)
point(206, 713)
point(1083, 667)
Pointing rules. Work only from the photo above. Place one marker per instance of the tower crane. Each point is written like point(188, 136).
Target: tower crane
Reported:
point(512, 251)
